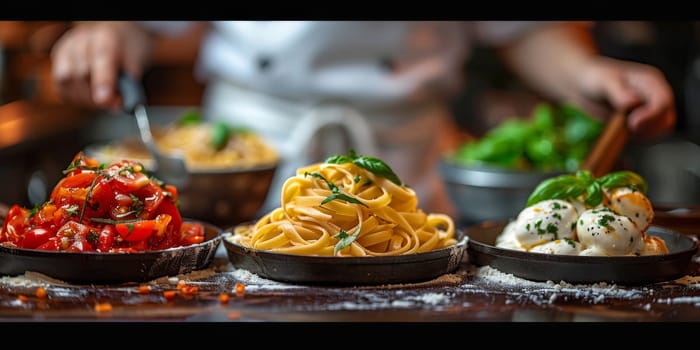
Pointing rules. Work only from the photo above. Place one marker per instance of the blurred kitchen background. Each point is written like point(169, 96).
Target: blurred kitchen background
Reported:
point(39, 135)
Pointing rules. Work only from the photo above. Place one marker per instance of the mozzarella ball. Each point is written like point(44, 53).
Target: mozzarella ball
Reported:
point(633, 204)
point(654, 245)
point(507, 238)
point(545, 221)
point(559, 246)
point(593, 251)
point(612, 234)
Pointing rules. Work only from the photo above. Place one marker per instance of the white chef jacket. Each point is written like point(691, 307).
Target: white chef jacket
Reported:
point(382, 87)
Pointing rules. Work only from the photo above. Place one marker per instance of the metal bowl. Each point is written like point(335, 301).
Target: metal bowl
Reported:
point(483, 193)
point(223, 197)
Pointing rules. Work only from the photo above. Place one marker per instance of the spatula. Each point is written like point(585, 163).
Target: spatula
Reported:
point(608, 147)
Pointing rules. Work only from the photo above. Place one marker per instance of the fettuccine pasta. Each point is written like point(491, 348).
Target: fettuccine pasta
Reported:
point(345, 210)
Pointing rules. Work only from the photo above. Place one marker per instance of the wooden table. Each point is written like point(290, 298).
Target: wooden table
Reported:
point(469, 294)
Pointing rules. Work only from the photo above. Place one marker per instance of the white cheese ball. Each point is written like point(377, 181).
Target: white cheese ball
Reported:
point(545, 221)
point(610, 233)
point(632, 204)
point(507, 238)
point(654, 245)
point(593, 251)
point(559, 246)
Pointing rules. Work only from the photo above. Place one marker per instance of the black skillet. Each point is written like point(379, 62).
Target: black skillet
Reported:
point(323, 270)
point(111, 268)
point(624, 270)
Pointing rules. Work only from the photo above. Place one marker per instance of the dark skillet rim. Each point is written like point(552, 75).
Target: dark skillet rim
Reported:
point(347, 270)
point(113, 268)
point(585, 269)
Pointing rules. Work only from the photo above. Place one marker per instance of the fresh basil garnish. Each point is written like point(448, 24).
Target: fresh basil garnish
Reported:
point(571, 186)
point(336, 191)
point(374, 165)
point(345, 239)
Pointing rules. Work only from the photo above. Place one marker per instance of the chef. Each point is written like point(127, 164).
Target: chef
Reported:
point(314, 88)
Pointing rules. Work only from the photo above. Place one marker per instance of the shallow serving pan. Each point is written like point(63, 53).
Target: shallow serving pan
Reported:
point(625, 270)
point(325, 270)
point(111, 268)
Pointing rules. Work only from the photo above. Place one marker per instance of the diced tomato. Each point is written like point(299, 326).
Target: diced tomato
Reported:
point(15, 224)
point(192, 233)
point(116, 208)
point(52, 244)
point(80, 180)
point(100, 198)
point(128, 178)
point(135, 231)
point(106, 238)
point(74, 236)
point(168, 207)
point(36, 237)
point(152, 196)
point(173, 192)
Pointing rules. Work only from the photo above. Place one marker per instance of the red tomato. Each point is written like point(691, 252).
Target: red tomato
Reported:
point(73, 236)
point(135, 231)
point(100, 199)
point(128, 176)
point(168, 207)
point(36, 237)
point(80, 180)
point(15, 224)
point(192, 233)
point(106, 238)
point(173, 192)
point(52, 244)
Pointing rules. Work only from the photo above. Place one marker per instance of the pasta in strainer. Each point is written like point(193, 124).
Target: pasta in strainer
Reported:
point(340, 208)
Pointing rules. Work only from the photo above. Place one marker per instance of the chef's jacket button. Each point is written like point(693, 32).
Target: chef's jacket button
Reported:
point(387, 63)
point(264, 63)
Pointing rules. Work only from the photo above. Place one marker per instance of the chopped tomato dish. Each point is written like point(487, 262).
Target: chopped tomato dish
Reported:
point(115, 208)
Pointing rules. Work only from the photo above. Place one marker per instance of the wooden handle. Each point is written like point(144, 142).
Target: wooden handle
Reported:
point(608, 147)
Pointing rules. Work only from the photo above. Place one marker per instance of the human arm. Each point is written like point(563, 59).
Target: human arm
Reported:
point(87, 58)
point(562, 62)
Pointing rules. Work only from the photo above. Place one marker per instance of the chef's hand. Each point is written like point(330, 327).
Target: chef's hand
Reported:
point(87, 58)
point(639, 89)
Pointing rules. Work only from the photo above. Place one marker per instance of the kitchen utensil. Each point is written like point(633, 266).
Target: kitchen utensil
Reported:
point(608, 146)
point(168, 167)
point(324, 270)
point(624, 270)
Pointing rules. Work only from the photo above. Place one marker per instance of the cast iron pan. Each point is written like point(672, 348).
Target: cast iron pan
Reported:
point(111, 268)
point(323, 270)
point(625, 270)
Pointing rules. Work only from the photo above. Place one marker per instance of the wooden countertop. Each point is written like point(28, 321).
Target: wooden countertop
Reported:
point(469, 294)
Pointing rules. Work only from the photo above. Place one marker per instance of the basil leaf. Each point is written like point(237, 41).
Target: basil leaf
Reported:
point(339, 159)
point(560, 187)
point(219, 135)
point(624, 178)
point(345, 239)
point(336, 191)
point(191, 117)
point(374, 165)
point(594, 194)
point(342, 196)
point(377, 167)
